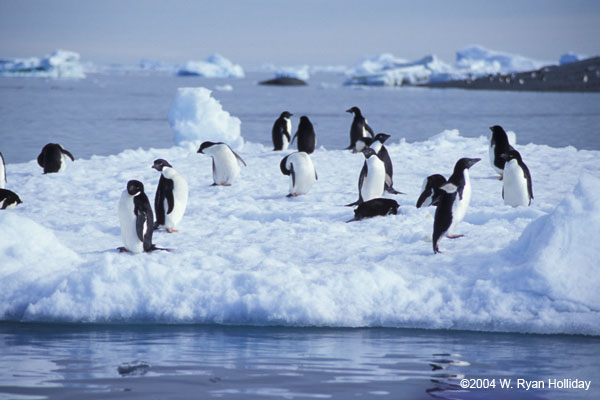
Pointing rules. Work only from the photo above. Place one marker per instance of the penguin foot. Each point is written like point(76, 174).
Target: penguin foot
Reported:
point(357, 202)
point(391, 190)
point(436, 249)
point(171, 230)
point(292, 195)
point(501, 177)
point(214, 184)
point(454, 236)
point(123, 250)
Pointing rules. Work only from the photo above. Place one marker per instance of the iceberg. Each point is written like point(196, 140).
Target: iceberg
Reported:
point(571, 57)
point(61, 64)
point(215, 66)
point(478, 61)
point(196, 116)
point(299, 72)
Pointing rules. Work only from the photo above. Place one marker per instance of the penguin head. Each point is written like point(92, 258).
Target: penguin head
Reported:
point(511, 155)
point(465, 163)
point(135, 187)
point(368, 152)
point(286, 114)
point(382, 137)
point(354, 110)
point(498, 134)
point(304, 123)
point(160, 164)
point(205, 146)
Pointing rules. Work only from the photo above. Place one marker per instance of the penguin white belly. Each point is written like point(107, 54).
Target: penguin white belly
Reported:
point(515, 185)
point(63, 163)
point(226, 165)
point(284, 143)
point(180, 198)
point(459, 207)
point(374, 182)
point(284, 139)
point(304, 172)
point(2, 175)
point(128, 221)
point(376, 145)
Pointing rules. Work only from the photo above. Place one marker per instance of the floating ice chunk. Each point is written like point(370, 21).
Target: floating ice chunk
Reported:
point(215, 66)
point(59, 64)
point(196, 116)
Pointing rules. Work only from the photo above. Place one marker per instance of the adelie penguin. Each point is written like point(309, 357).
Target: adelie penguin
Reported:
point(225, 166)
point(136, 219)
point(453, 203)
point(307, 140)
point(359, 131)
point(2, 172)
point(517, 188)
point(371, 181)
point(498, 146)
point(53, 158)
point(8, 199)
point(377, 144)
point(171, 196)
point(374, 208)
point(282, 131)
point(301, 170)
point(431, 191)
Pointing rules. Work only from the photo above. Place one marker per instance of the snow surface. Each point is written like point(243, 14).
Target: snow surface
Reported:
point(246, 254)
point(215, 66)
point(196, 116)
point(59, 64)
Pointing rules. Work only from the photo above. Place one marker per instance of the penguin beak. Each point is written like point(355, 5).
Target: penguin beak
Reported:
point(349, 111)
point(474, 161)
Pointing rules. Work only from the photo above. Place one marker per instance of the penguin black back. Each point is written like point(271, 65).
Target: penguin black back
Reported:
point(499, 142)
point(143, 211)
point(51, 157)
point(307, 140)
point(375, 207)
point(431, 190)
point(8, 199)
point(359, 128)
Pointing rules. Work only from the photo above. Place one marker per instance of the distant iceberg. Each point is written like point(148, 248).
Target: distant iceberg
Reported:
point(61, 64)
point(472, 61)
point(215, 66)
point(299, 72)
point(571, 57)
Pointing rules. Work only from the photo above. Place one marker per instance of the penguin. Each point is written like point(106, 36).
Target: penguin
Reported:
point(377, 144)
point(517, 188)
point(300, 168)
point(430, 191)
point(2, 172)
point(136, 219)
point(53, 158)
point(8, 199)
point(371, 181)
point(498, 146)
point(375, 207)
point(225, 166)
point(282, 131)
point(171, 196)
point(359, 130)
point(454, 202)
point(307, 140)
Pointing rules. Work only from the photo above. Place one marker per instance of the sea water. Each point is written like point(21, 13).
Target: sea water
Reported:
point(107, 113)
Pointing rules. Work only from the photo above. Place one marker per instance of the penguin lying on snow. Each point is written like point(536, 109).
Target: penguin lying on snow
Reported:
point(8, 199)
point(371, 181)
point(307, 139)
point(136, 219)
point(301, 170)
point(359, 131)
point(498, 146)
point(2, 172)
point(454, 202)
point(374, 208)
point(431, 191)
point(171, 196)
point(517, 188)
point(282, 131)
point(53, 158)
point(225, 166)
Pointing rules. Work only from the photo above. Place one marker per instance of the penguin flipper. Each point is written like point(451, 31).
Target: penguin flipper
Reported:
point(296, 134)
point(170, 200)
point(68, 154)
point(239, 158)
point(140, 223)
point(316, 177)
point(293, 175)
point(40, 159)
point(368, 128)
point(159, 201)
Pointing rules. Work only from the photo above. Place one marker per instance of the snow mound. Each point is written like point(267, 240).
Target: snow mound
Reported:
point(196, 116)
point(215, 66)
point(571, 57)
point(61, 64)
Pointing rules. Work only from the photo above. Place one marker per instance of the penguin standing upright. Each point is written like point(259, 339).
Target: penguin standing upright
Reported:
point(377, 144)
point(225, 166)
point(359, 130)
point(282, 131)
point(8, 199)
point(371, 181)
point(307, 140)
point(498, 145)
point(301, 170)
point(517, 188)
point(53, 158)
point(136, 219)
point(2, 172)
point(454, 202)
point(430, 191)
point(171, 196)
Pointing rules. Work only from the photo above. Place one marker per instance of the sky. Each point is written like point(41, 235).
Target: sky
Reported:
point(280, 32)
